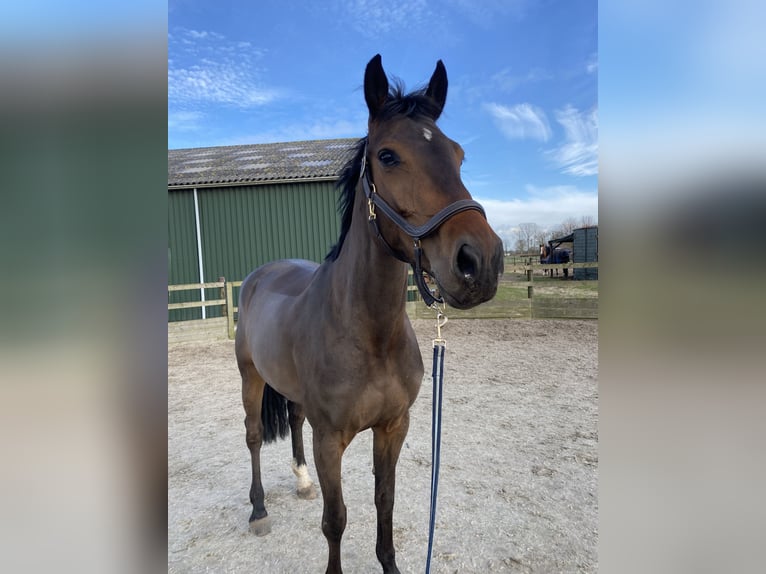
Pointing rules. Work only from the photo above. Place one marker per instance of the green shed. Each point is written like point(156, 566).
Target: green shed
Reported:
point(233, 208)
point(585, 250)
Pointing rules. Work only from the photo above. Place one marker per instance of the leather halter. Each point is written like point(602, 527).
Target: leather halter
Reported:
point(416, 233)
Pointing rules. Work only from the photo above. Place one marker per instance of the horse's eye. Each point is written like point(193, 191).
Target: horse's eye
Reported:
point(388, 158)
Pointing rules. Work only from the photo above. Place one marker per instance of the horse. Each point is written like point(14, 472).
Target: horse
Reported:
point(331, 343)
point(555, 256)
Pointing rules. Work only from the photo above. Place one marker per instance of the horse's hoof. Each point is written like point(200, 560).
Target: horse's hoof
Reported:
point(261, 526)
point(307, 493)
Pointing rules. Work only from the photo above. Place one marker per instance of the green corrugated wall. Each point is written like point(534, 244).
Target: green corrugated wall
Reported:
point(182, 252)
point(585, 248)
point(244, 227)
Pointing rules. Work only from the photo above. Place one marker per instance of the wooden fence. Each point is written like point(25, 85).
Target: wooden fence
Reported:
point(218, 327)
point(530, 306)
point(529, 270)
point(524, 294)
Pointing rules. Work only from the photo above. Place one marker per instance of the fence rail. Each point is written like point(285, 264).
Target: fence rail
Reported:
point(197, 286)
point(226, 300)
point(522, 267)
point(192, 304)
point(529, 307)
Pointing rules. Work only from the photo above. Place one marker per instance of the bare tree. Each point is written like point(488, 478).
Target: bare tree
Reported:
point(568, 225)
point(587, 221)
point(527, 234)
point(540, 238)
point(553, 233)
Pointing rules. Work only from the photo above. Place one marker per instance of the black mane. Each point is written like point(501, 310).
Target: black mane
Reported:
point(416, 105)
point(347, 185)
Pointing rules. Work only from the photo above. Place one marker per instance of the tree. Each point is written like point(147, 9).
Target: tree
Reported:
point(541, 237)
point(527, 236)
point(568, 226)
point(587, 221)
point(553, 233)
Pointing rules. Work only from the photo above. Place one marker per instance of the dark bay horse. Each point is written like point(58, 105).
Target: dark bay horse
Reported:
point(332, 343)
point(550, 255)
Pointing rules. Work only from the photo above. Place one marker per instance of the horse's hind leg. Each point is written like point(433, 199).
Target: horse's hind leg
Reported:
point(252, 398)
point(306, 488)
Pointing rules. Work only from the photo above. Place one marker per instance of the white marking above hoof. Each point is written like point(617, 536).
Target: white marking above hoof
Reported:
point(302, 473)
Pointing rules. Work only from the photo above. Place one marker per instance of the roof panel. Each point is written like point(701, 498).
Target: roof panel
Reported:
point(258, 162)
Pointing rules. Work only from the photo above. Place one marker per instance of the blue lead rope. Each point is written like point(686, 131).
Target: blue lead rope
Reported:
point(436, 435)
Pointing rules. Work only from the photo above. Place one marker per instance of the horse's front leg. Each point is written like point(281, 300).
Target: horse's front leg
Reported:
point(387, 443)
point(328, 451)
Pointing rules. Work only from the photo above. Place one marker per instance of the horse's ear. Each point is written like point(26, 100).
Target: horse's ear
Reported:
point(437, 87)
point(375, 86)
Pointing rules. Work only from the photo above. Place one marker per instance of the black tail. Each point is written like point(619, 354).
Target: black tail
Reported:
point(274, 415)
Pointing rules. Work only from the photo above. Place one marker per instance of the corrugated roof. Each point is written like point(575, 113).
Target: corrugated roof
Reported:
point(258, 162)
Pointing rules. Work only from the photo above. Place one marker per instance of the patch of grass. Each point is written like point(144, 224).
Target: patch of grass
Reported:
point(507, 291)
point(555, 297)
point(568, 290)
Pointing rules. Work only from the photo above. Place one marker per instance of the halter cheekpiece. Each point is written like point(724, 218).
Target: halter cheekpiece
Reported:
point(416, 233)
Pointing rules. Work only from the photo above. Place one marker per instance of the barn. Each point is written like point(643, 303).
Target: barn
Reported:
point(584, 250)
point(233, 208)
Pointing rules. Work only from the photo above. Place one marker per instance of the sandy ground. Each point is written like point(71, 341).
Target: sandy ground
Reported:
point(518, 487)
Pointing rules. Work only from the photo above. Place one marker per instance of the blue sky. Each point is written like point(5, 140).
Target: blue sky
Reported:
point(522, 99)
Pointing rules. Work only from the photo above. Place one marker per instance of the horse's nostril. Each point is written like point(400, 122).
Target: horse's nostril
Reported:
point(467, 261)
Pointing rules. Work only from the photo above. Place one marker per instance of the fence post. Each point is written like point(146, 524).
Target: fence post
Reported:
point(222, 294)
point(530, 288)
point(230, 310)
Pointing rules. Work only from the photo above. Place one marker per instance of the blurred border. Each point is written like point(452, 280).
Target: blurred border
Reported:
point(682, 197)
point(83, 402)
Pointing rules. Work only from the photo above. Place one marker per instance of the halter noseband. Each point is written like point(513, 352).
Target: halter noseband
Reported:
point(416, 233)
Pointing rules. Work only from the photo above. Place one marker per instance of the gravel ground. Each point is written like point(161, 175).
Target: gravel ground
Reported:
point(518, 481)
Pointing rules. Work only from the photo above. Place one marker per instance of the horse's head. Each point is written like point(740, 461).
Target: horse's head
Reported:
point(416, 171)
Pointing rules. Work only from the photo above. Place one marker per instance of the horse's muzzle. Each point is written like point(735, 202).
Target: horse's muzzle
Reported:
point(473, 274)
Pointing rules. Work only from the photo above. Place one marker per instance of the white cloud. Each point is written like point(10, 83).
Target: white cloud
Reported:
point(578, 155)
point(522, 121)
point(506, 81)
point(324, 128)
point(374, 18)
point(185, 120)
point(220, 71)
point(216, 82)
point(547, 207)
point(199, 35)
point(591, 66)
point(488, 13)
